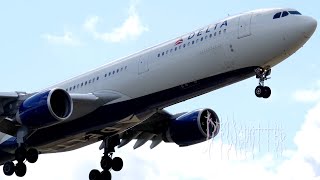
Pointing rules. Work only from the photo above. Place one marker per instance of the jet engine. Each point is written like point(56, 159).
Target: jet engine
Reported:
point(45, 108)
point(193, 127)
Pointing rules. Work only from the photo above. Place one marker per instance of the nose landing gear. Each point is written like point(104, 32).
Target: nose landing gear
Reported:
point(262, 75)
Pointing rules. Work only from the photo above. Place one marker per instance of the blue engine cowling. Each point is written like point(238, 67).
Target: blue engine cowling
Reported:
point(193, 127)
point(45, 108)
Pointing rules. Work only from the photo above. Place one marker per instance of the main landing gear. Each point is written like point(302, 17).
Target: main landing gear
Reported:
point(107, 162)
point(262, 75)
point(21, 154)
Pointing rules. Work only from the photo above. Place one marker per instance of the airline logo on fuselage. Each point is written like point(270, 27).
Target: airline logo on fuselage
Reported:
point(203, 31)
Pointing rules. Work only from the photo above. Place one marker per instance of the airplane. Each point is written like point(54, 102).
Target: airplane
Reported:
point(125, 99)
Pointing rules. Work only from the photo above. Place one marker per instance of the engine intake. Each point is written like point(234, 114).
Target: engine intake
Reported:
point(193, 127)
point(45, 109)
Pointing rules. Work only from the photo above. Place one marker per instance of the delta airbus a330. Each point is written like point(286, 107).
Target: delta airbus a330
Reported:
point(124, 100)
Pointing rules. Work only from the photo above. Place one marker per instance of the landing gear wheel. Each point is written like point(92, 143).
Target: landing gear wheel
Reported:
point(8, 168)
point(105, 162)
point(20, 154)
point(262, 74)
point(117, 164)
point(20, 169)
point(32, 155)
point(94, 175)
point(105, 175)
point(266, 92)
point(259, 91)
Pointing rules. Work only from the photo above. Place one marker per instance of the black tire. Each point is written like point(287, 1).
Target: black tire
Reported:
point(20, 154)
point(266, 92)
point(259, 91)
point(106, 175)
point(21, 169)
point(94, 175)
point(32, 155)
point(8, 168)
point(105, 162)
point(117, 164)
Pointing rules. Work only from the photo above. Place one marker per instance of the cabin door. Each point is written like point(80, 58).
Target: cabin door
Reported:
point(244, 28)
point(143, 65)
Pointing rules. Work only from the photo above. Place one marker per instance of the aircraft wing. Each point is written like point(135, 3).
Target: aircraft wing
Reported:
point(82, 105)
point(151, 129)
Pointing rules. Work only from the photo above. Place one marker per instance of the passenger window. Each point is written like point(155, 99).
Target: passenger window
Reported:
point(78, 86)
point(188, 43)
point(197, 40)
point(159, 55)
point(180, 47)
point(225, 30)
point(89, 81)
point(109, 73)
point(162, 53)
point(215, 33)
point(285, 13)
point(93, 80)
point(70, 88)
point(97, 78)
point(113, 72)
point(167, 51)
point(210, 36)
point(201, 38)
point(121, 69)
point(277, 15)
point(81, 84)
point(117, 70)
point(220, 32)
point(170, 50)
point(74, 87)
point(184, 45)
point(192, 42)
point(175, 48)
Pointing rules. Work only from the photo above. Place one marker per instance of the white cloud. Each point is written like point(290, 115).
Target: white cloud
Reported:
point(131, 28)
point(66, 39)
point(308, 95)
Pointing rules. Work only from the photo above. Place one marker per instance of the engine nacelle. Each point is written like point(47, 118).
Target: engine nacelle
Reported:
point(193, 127)
point(45, 109)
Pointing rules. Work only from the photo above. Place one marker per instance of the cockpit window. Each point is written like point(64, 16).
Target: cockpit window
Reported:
point(277, 15)
point(294, 12)
point(285, 13)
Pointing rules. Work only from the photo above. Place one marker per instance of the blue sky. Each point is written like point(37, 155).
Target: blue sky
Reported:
point(43, 43)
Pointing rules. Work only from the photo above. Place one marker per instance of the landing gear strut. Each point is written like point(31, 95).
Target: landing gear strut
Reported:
point(107, 162)
point(262, 75)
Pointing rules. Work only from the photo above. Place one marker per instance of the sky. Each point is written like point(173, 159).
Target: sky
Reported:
point(43, 43)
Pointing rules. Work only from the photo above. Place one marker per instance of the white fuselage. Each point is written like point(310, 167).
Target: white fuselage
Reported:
point(245, 40)
point(248, 40)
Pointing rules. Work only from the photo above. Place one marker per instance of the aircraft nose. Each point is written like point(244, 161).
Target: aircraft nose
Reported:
point(310, 26)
